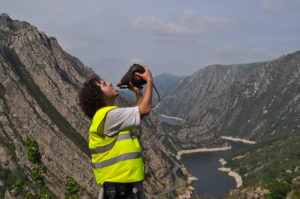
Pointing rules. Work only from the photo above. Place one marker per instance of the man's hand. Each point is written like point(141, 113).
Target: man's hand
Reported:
point(138, 93)
point(144, 102)
point(147, 75)
point(134, 89)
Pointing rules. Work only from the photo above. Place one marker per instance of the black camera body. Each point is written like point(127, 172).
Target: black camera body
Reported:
point(135, 80)
point(130, 77)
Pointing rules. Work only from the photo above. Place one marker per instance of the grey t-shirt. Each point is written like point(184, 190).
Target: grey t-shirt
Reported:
point(120, 119)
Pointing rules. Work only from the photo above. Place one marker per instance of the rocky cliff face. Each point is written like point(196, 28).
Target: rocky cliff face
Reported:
point(251, 101)
point(38, 98)
point(188, 97)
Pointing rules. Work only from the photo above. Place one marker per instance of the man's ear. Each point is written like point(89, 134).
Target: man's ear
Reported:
point(98, 83)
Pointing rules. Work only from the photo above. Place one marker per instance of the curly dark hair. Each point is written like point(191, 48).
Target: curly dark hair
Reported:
point(91, 97)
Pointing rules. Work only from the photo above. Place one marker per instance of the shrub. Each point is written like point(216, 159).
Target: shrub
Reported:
point(296, 189)
point(44, 193)
point(29, 195)
point(72, 188)
point(278, 190)
point(37, 174)
point(33, 153)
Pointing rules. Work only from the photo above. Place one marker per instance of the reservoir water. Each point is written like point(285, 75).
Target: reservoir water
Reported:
point(211, 182)
point(172, 121)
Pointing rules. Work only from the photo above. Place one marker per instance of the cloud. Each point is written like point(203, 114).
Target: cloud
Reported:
point(187, 24)
point(239, 1)
point(280, 6)
point(199, 43)
point(227, 50)
point(233, 54)
point(261, 52)
point(136, 61)
point(272, 5)
point(234, 50)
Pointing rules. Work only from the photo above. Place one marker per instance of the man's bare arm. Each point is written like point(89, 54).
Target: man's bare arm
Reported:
point(146, 100)
point(138, 93)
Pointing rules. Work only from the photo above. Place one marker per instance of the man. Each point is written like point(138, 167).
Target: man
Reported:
point(116, 153)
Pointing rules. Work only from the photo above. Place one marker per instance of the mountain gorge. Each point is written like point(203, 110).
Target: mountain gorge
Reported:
point(39, 82)
point(251, 101)
point(260, 102)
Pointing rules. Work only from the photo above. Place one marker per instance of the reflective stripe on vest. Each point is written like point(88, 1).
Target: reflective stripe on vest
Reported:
point(110, 146)
point(126, 156)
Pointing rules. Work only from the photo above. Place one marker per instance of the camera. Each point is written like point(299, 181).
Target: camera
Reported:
point(130, 77)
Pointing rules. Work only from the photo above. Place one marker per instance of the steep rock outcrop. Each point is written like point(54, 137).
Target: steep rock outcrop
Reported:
point(263, 103)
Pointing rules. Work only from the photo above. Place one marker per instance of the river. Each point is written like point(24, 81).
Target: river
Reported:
point(211, 182)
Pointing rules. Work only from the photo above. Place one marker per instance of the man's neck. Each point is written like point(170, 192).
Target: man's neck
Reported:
point(110, 102)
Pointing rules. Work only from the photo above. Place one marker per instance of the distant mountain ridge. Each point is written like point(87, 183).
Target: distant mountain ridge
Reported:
point(165, 82)
point(195, 89)
point(251, 101)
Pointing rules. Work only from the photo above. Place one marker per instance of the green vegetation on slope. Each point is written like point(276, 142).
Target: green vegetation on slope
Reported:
point(273, 163)
point(17, 181)
point(73, 188)
point(33, 153)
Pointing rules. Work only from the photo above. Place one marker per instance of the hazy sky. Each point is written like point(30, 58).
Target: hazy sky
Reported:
point(170, 36)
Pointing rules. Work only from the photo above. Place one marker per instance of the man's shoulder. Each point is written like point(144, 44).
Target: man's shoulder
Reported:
point(123, 110)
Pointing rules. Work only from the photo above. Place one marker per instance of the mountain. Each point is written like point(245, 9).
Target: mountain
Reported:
point(43, 133)
point(189, 95)
point(165, 82)
point(252, 101)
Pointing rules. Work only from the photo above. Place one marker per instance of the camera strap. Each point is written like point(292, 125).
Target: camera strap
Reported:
point(158, 96)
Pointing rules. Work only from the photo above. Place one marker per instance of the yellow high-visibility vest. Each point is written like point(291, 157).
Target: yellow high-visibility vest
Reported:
point(117, 158)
